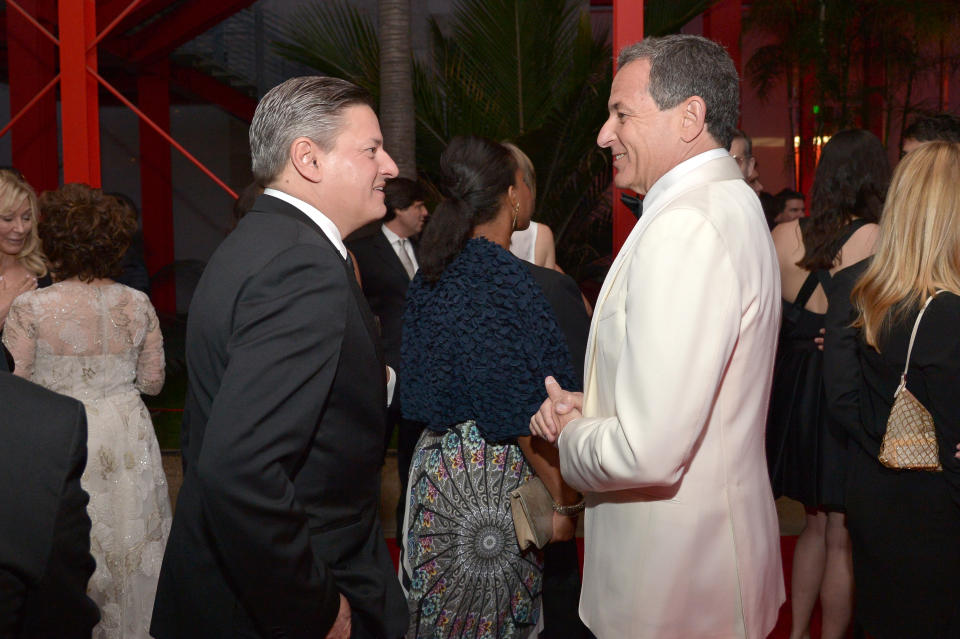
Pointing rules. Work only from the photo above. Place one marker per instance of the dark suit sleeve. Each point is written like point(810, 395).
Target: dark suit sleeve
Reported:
point(284, 351)
point(565, 300)
point(58, 606)
point(841, 364)
point(12, 593)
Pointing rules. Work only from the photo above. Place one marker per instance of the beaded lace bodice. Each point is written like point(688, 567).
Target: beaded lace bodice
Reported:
point(101, 344)
point(86, 341)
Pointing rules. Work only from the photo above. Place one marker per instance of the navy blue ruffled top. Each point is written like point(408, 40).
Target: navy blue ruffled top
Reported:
point(478, 343)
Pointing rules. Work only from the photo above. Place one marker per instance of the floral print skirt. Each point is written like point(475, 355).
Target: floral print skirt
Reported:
point(463, 571)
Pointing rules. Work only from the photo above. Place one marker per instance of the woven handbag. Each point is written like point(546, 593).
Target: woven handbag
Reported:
point(910, 441)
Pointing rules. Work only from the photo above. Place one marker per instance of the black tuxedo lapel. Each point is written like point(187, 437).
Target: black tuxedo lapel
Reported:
point(389, 256)
point(368, 320)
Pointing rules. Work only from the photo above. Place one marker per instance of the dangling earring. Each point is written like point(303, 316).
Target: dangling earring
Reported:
point(516, 214)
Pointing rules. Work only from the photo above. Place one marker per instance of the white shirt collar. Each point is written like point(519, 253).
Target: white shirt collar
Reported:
point(325, 223)
point(392, 237)
point(677, 173)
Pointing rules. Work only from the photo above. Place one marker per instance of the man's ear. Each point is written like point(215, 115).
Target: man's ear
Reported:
point(306, 157)
point(693, 118)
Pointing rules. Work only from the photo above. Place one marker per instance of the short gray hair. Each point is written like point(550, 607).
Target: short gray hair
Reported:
point(307, 106)
point(682, 66)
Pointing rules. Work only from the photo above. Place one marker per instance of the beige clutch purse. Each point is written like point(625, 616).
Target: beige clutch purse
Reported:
point(532, 509)
point(910, 441)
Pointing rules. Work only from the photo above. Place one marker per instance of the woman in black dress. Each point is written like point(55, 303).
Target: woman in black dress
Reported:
point(905, 524)
point(804, 453)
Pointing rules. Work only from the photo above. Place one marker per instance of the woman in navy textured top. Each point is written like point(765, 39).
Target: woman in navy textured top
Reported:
point(479, 337)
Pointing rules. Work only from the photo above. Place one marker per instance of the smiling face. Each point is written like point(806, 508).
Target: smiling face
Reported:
point(15, 226)
point(353, 172)
point(643, 139)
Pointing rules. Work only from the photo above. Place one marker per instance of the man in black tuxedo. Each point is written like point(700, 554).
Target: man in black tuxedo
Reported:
point(276, 531)
point(387, 261)
point(45, 560)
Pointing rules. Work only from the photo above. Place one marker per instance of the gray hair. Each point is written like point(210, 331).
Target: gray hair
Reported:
point(525, 165)
point(747, 142)
point(682, 66)
point(307, 106)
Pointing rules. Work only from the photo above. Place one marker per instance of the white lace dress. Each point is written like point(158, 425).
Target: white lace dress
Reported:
point(101, 344)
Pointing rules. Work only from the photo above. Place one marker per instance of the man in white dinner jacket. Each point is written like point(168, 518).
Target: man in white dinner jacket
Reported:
point(667, 439)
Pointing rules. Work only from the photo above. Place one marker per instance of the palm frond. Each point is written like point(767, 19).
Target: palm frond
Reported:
point(336, 40)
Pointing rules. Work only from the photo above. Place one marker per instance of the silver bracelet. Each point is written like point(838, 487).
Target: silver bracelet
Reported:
point(569, 511)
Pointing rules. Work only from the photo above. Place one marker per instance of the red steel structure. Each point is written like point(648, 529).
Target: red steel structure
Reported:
point(721, 22)
point(141, 33)
point(627, 29)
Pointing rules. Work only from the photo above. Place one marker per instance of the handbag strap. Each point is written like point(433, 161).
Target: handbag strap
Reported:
point(913, 335)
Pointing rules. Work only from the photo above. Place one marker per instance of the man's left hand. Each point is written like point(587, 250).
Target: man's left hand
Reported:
point(558, 410)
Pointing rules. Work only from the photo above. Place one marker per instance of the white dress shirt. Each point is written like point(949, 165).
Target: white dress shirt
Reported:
point(400, 244)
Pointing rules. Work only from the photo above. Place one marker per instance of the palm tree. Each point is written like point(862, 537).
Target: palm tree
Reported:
point(396, 85)
point(860, 53)
point(531, 71)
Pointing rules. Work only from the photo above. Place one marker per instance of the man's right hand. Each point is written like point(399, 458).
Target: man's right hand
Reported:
point(341, 625)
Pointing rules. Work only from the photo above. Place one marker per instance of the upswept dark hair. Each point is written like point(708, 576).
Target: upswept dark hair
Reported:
point(944, 127)
point(851, 181)
point(684, 65)
point(475, 173)
point(399, 193)
point(85, 233)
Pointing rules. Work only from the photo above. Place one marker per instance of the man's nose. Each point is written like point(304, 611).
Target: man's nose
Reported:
point(389, 167)
point(606, 136)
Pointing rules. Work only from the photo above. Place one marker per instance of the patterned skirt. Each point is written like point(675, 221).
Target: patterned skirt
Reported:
point(462, 568)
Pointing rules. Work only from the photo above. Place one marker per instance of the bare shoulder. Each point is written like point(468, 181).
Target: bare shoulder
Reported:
point(862, 244)
point(544, 248)
point(788, 240)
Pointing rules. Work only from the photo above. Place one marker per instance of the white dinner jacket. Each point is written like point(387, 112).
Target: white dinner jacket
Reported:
point(682, 539)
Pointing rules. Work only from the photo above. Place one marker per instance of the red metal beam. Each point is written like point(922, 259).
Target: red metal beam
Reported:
point(26, 109)
point(182, 25)
point(627, 29)
point(722, 23)
point(31, 63)
point(210, 90)
point(109, 10)
point(107, 30)
point(79, 110)
point(156, 183)
point(166, 136)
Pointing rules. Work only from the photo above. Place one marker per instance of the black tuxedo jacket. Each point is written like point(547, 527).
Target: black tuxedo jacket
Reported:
point(45, 560)
point(282, 441)
point(567, 304)
point(385, 283)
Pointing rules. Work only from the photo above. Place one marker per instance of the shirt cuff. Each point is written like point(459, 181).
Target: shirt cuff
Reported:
point(391, 384)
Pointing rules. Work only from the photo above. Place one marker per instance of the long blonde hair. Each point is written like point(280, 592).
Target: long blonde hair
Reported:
point(13, 191)
point(919, 247)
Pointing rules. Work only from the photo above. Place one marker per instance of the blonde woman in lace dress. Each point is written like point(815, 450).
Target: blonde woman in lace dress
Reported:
point(98, 341)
